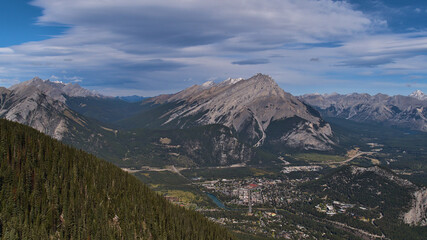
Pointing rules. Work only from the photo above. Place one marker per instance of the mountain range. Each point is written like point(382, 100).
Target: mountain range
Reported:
point(254, 116)
point(400, 111)
point(252, 113)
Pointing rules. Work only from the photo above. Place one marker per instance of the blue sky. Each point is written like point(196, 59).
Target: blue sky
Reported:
point(18, 24)
point(148, 47)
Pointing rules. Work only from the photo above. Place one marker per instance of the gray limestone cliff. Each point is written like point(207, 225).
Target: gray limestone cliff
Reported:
point(41, 104)
point(417, 215)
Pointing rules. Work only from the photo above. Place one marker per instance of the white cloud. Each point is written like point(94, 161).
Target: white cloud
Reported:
point(386, 50)
point(189, 22)
point(156, 45)
point(6, 50)
point(8, 82)
point(109, 42)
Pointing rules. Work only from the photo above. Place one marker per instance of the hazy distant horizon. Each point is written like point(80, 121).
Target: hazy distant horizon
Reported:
point(216, 82)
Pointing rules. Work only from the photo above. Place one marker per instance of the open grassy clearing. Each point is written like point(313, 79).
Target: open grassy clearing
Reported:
point(318, 158)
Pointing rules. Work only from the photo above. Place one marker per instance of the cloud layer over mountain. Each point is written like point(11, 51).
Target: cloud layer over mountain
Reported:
point(157, 46)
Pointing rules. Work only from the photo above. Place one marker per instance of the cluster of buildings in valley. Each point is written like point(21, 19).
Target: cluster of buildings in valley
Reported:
point(267, 196)
point(334, 207)
point(337, 207)
point(255, 191)
point(270, 224)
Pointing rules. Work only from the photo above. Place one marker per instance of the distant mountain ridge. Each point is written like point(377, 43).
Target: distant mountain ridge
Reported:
point(401, 111)
point(131, 99)
point(251, 107)
point(54, 89)
point(255, 112)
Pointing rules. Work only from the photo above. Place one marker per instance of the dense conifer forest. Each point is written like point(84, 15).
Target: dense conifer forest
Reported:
point(51, 191)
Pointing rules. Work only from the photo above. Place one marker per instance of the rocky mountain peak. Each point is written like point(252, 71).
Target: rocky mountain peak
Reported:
point(231, 81)
point(418, 94)
point(262, 78)
point(4, 90)
point(55, 89)
point(208, 84)
point(36, 80)
point(42, 105)
point(249, 107)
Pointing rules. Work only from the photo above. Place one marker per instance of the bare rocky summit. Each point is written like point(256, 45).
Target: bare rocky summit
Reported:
point(41, 104)
point(418, 94)
point(54, 89)
point(249, 107)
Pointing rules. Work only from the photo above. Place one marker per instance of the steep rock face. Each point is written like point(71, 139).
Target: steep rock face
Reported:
point(417, 215)
point(4, 95)
point(403, 111)
point(222, 148)
point(36, 110)
point(211, 145)
point(308, 136)
point(249, 107)
point(41, 104)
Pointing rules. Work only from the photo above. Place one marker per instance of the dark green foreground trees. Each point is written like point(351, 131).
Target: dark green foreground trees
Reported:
point(52, 191)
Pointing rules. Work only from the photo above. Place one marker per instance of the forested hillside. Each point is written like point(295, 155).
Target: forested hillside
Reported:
point(51, 191)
